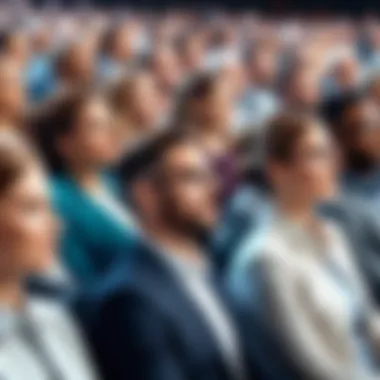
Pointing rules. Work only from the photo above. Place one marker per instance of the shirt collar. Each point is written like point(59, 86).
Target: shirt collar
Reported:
point(299, 235)
point(179, 263)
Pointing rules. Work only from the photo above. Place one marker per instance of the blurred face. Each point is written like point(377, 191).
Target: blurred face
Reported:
point(41, 41)
point(12, 95)
point(347, 73)
point(28, 230)
point(93, 140)
point(193, 54)
point(304, 88)
point(81, 63)
point(235, 76)
point(187, 191)
point(167, 68)
point(217, 108)
point(263, 66)
point(123, 44)
point(310, 176)
point(146, 101)
point(360, 135)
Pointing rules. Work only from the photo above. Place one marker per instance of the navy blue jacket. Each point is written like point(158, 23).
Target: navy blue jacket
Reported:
point(142, 325)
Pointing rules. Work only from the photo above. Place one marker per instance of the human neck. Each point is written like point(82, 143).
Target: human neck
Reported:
point(176, 242)
point(87, 178)
point(296, 210)
point(11, 295)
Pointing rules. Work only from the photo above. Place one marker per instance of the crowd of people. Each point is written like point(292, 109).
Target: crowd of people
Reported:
point(189, 196)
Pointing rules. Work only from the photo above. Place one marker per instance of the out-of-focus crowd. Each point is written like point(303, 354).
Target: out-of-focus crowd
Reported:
point(188, 195)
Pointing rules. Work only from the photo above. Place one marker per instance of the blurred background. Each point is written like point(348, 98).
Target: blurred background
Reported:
point(189, 191)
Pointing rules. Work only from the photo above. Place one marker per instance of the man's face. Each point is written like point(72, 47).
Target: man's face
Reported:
point(187, 190)
point(359, 134)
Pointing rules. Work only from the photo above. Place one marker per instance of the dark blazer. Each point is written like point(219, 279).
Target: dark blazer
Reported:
point(240, 218)
point(142, 325)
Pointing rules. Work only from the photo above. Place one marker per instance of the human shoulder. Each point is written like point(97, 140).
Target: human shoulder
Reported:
point(263, 243)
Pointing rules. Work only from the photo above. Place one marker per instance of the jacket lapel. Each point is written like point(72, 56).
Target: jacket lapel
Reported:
point(168, 290)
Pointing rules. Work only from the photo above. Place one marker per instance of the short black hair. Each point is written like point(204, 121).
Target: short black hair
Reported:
point(147, 154)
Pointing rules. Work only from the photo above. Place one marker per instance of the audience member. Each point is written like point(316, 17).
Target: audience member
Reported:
point(75, 66)
point(304, 258)
point(117, 52)
point(161, 314)
point(354, 119)
point(165, 65)
point(232, 184)
point(12, 94)
point(78, 138)
point(260, 101)
point(301, 89)
point(206, 111)
point(138, 107)
point(39, 340)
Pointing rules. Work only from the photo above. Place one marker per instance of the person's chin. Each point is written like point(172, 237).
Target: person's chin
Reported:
point(328, 195)
point(45, 264)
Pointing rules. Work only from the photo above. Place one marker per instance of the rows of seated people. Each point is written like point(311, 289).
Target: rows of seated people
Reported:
point(188, 214)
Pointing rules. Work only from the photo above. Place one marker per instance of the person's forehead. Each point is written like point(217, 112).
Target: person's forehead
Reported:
point(184, 154)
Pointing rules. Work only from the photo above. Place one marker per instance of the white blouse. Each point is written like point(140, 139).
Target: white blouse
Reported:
point(42, 343)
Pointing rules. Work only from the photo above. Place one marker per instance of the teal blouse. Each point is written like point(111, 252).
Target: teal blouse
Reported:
point(91, 238)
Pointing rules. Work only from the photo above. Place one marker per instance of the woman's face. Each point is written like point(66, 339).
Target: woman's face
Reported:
point(146, 101)
point(218, 106)
point(12, 96)
point(311, 174)
point(28, 229)
point(93, 140)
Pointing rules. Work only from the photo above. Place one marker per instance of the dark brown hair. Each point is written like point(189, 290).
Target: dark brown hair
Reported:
point(283, 133)
point(56, 120)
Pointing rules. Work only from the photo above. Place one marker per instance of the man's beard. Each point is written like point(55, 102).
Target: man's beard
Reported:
point(191, 229)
